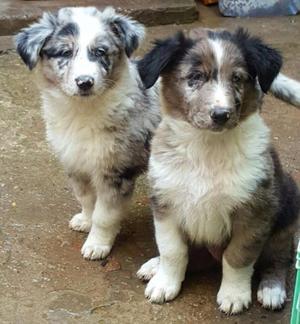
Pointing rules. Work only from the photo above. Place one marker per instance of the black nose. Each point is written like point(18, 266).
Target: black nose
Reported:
point(220, 115)
point(84, 82)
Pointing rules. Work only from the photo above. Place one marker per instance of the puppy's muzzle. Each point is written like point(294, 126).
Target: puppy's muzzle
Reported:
point(85, 82)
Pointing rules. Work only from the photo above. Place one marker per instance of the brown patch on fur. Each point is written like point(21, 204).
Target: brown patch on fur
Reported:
point(171, 98)
point(252, 100)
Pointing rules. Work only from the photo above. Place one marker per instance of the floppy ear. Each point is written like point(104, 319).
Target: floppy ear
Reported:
point(31, 40)
point(263, 61)
point(164, 55)
point(129, 31)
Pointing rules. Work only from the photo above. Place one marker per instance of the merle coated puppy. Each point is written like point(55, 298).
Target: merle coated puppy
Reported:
point(99, 119)
point(215, 178)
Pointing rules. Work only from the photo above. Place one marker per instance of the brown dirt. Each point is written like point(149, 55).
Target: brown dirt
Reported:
point(43, 277)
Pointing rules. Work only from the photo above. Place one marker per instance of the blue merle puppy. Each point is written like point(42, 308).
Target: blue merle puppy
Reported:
point(98, 117)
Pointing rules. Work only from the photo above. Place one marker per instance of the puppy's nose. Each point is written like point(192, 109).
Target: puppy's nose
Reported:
point(220, 115)
point(84, 82)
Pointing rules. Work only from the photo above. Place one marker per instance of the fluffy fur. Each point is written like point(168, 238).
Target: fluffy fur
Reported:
point(214, 176)
point(98, 117)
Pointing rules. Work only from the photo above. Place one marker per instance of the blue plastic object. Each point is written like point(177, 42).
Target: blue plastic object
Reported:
point(259, 8)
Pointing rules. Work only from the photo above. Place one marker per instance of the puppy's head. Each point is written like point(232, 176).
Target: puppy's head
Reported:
point(213, 78)
point(81, 51)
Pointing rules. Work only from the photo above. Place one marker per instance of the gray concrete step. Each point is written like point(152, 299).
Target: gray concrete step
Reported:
point(15, 14)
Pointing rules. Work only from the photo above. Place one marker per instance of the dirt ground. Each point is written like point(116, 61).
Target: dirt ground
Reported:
point(43, 277)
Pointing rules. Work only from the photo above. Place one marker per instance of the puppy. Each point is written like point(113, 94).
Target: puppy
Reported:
point(215, 178)
point(98, 117)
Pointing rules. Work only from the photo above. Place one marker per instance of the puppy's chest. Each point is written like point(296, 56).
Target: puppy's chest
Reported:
point(82, 143)
point(205, 190)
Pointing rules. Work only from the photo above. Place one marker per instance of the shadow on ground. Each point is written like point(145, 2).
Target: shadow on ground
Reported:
point(43, 277)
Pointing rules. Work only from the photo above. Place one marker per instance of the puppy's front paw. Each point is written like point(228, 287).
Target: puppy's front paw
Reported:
point(162, 289)
point(81, 223)
point(271, 294)
point(94, 250)
point(233, 298)
point(148, 269)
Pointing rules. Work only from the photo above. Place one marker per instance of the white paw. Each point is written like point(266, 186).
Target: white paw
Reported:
point(271, 294)
point(94, 250)
point(81, 223)
point(148, 269)
point(161, 288)
point(233, 298)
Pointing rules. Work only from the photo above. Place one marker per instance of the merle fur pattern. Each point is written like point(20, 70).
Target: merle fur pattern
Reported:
point(101, 130)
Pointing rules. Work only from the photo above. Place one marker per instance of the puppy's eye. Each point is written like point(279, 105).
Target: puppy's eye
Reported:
point(99, 52)
point(195, 78)
point(236, 78)
point(66, 53)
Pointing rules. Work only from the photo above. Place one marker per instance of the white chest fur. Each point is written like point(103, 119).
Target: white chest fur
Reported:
point(80, 135)
point(205, 175)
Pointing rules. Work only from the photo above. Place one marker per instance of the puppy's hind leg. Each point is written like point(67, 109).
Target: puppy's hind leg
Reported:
point(274, 264)
point(277, 253)
point(247, 241)
point(86, 195)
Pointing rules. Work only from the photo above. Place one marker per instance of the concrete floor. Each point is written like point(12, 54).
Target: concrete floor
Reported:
point(43, 277)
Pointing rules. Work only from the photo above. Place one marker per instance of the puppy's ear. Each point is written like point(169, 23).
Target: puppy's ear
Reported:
point(129, 31)
point(30, 41)
point(163, 57)
point(263, 61)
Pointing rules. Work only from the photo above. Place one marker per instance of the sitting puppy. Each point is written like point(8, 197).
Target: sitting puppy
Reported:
point(99, 118)
point(216, 180)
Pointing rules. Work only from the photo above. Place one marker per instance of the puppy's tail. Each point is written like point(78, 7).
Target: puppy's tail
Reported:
point(286, 89)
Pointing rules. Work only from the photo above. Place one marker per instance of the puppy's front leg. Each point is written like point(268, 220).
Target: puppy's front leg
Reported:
point(248, 238)
point(86, 195)
point(166, 283)
point(105, 226)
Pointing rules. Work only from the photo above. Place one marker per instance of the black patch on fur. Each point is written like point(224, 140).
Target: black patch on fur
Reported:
point(163, 57)
point(214, 74)
point(30, 41)
point(265, 183)
point(120, 27)
point(123, 180)
point(147, 144)
point(70, 29)
point(103, 59)
point(262, 61)
point(130, 173)
point(55, 52)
